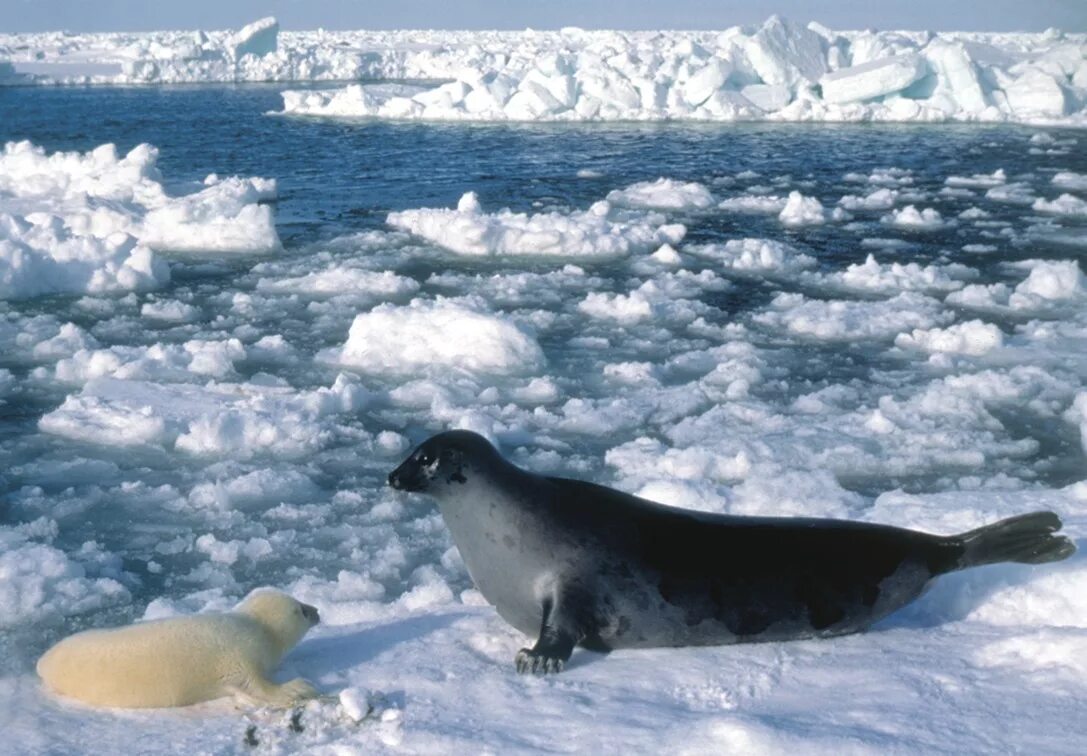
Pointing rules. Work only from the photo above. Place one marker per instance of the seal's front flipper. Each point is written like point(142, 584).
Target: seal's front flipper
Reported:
point(261, 692)
point(562, 629)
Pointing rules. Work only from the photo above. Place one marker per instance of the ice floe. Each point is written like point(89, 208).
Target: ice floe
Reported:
point(802, 211)
point(755, 256)
point(926, 219)
point(440, 334)
point(871, 276)
point(663, 194)
point(223, 419)
point(1048, 285)
point(92, 222)
point(40, 582)
point(1066, 204)
point(834, 320)
point(972, 337)
point(599, 232)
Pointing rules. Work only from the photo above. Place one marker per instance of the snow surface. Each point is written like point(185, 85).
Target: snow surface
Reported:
point(780, 70)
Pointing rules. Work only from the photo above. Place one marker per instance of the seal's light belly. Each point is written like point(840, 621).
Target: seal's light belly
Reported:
point(496, 546)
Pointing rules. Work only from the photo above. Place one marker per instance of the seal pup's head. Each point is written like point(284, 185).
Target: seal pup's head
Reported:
point(287, 618)
point(445, 463)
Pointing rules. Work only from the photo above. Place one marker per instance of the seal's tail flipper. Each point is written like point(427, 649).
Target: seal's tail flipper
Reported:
point(1028, 539)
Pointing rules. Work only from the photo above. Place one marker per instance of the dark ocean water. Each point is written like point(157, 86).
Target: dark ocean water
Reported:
point(339, 177)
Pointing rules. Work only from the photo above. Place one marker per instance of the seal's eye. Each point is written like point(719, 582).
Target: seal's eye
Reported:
point(426, 458)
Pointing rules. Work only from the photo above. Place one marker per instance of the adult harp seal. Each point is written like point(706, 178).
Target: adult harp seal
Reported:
point(575, 563)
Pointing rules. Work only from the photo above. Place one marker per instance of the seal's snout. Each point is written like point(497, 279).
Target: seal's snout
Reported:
point(398, 480)
point(311, 613)
point(407, 477)
point(410, 476)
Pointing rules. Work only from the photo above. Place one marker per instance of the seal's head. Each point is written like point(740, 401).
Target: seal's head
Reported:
point(287, 618)
point(443, 461)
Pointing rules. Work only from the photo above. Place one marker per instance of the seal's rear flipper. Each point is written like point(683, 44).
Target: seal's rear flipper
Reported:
point(1028, 539)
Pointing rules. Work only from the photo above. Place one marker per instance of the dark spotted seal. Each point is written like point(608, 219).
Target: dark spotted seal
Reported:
point(579, 563)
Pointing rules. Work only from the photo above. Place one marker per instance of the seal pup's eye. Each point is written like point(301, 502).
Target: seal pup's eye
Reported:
point(425, 458)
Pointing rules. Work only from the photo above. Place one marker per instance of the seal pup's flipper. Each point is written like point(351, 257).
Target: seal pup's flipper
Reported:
point(259, 691)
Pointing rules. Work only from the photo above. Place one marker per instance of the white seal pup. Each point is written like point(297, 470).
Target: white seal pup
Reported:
point(579, 563)
point(185, 660)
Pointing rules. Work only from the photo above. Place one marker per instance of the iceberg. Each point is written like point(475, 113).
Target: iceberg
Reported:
point(778, 70)
point(874, 79)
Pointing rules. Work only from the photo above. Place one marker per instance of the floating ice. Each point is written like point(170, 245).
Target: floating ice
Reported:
point(802, 211)
point(927, 219)
point(1049, 284)
point(839, 320)
point(87, 222)
point(663, 194)
point(1017, 193)
point(341, 280)
point(39, 581)
point(888, 177)
point(39, 255)
point(1069, 180)
point(1078, 413)
point(599, 232)
point(755, 204)
point(1066, 204)
point(441, 335)
point(660, 300)
point(662, 379)
point(880, 199)
point(972, 337)
point(871, 276)
point(224, 217)
point(170, 311)
point(755, 256)
point(978, 181)
point(239, 420)
point(162, 362)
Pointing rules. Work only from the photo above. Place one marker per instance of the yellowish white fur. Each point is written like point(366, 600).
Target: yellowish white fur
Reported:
point(185, 660)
